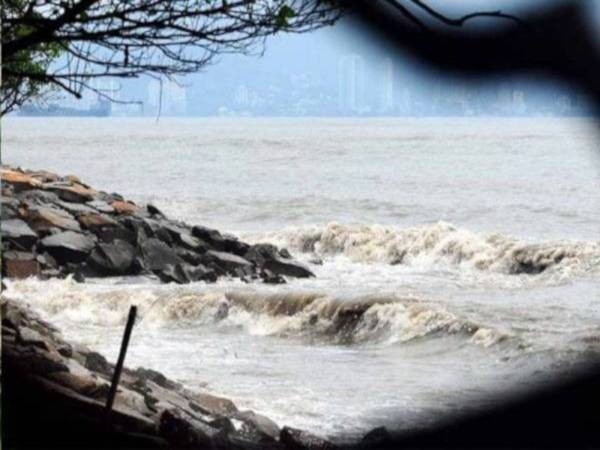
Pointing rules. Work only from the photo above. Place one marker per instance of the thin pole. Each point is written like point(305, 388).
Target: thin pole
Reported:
point(119, 367)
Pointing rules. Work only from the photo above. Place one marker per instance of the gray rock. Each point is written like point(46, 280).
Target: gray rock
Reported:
point(102, 206)
point(75, 208)
point(28, 336)
point(39, 197)
point(68, 246)
point(18, 232)
point(116, 258)
point(259, 426)
point(44, 219)
point(157, 255)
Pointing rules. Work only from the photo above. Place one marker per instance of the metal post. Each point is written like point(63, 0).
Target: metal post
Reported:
point(119, 367)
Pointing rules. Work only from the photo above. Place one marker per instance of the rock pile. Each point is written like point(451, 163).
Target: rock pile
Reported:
point(53, 226)
point(66, 387)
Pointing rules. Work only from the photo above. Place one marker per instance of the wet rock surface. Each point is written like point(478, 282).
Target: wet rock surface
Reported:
point(67, 227)
point(65, 383)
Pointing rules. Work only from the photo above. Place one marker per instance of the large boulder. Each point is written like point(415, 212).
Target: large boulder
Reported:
point(110, 234)
point(229, 263)
point(115, 258)
point(43, 219)
point(92, 221)
point(219, 242)
point(122, 207)
point(19, 180)
point(68, 192)
point(287, 267)
point(38, 197)
point(16, 231)
point(276, 261)
point(156, 254)
point(68, 246)
point(295, 439)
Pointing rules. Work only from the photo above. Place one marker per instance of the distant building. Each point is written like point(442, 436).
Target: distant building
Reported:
point(351, 84)
point(387, 86)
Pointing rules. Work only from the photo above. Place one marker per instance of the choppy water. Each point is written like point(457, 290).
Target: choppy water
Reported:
point(431, 227)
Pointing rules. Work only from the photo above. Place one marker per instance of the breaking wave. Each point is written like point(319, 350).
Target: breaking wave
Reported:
point(314, 317)
point(440, 244)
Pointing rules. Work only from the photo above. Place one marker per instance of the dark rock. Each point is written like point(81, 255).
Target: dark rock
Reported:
point(18, 232)
point(116, 258)
point(284, 253)
point(43, 219)
point(259, 253)
point(156, 377)
point(287, 267)
point(110, 234)
point(226, 261)
point(154, 211)
point(295, 439)
point(376, 437)
point(219, 242)
point(270, 258)
point(20, 265)
point(189, 256)
point(46, 260)
point(271, 278)
point(68, 246)
point(97, 363)
point(101, 206)
point(201, 273)
point(157, 255)
point(181, 433)
point(170, 273)
point(93, 221)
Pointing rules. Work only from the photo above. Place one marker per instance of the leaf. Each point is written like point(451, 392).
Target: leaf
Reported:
point(285, 13)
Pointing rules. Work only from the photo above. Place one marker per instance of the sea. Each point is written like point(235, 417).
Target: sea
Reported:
point(471, 244)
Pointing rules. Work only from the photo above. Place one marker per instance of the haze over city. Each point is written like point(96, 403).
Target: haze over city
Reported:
point(331, 72)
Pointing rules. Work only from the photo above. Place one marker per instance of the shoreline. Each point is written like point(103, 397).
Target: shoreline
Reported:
point(56, 226)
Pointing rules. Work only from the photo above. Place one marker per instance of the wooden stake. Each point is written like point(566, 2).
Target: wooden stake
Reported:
point(119, 367)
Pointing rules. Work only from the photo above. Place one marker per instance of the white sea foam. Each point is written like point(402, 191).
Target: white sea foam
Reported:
point(440, 245)
point(312, 316)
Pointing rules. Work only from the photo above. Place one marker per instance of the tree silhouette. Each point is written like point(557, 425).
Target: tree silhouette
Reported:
point(68, 43)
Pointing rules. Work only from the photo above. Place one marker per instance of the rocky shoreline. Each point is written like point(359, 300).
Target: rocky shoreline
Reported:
point(54, 226)
point(58, 226)
point(149, 409)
